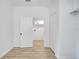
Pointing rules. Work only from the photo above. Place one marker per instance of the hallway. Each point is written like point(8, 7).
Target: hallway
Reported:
point(30, 53)
point(26, 25)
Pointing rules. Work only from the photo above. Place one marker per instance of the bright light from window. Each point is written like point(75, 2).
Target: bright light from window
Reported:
point(39, 22)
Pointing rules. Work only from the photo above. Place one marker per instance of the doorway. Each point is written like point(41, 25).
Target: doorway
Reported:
point(23, 17)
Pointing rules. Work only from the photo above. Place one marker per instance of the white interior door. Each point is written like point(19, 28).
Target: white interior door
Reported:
point(26, 32)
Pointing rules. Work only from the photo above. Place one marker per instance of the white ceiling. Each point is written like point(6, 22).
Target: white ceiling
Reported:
point(44, 3)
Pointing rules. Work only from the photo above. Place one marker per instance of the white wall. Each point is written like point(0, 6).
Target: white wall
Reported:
point(76, 27)
point(54, 26)
point(30, 12)
point(6, 34)
point(66, 44)
point(42, 3)
point(66, 30)
point(77, 34)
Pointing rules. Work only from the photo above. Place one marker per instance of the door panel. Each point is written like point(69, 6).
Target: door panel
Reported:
point(26, 30)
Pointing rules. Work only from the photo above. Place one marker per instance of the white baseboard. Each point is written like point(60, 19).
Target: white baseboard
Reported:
point(5, 52)
point(55, 53)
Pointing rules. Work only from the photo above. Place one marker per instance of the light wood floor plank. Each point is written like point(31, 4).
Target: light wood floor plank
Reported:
point(29, 53)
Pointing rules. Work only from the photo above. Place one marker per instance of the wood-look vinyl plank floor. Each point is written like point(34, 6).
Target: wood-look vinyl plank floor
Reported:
point(29, 53)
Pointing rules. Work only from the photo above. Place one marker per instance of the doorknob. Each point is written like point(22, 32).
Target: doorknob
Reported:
point(20, 33)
